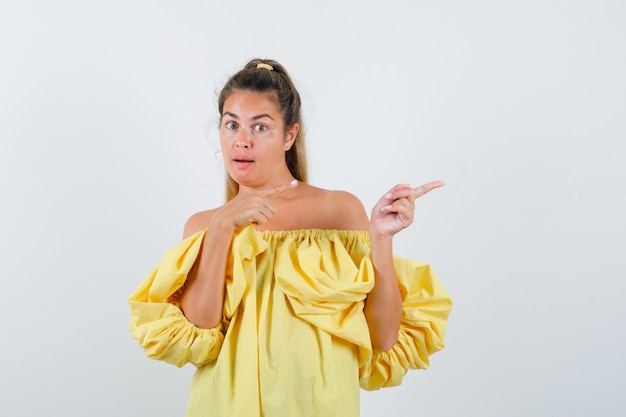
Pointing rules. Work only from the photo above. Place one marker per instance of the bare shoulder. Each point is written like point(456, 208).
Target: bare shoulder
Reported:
point(338, 209)
point(343, 200)
point(197, 222)
point(349, 210)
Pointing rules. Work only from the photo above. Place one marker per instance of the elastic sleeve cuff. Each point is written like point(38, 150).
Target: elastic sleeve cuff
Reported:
point(165, 334)
point(425, 309)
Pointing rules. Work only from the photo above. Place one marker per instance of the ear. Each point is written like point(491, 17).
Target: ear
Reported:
point(290, 135)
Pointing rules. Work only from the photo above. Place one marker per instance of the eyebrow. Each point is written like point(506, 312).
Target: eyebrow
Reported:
point(257, 117)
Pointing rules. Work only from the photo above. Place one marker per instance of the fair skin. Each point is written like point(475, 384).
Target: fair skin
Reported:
point(254, 141)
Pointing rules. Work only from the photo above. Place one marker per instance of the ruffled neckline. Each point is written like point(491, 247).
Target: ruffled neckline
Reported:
point(312, 232)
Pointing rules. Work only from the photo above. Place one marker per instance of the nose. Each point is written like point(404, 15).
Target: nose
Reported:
point(244, 139)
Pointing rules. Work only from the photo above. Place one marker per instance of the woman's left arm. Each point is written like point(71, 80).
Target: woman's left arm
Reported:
point(383, 306)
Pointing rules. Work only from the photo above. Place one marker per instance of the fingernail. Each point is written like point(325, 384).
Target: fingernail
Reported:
point(388, 195)
point(385, 208)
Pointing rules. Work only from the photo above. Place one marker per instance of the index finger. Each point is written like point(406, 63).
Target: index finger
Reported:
point(426, 188)
point(279, 189)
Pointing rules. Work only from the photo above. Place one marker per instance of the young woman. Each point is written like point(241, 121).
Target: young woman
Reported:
point(287, 298)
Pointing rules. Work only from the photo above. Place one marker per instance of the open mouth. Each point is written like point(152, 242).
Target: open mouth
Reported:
point(243, 163)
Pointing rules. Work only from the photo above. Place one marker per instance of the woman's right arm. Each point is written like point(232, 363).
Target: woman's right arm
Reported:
point(203, 297)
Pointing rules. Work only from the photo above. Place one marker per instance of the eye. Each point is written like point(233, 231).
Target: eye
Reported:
point(260, 128)
point(230, 125)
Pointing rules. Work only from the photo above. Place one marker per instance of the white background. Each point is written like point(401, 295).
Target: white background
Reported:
point(109, 143)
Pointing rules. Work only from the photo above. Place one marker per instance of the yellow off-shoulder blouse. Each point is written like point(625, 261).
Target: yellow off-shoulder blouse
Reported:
point(293, 340)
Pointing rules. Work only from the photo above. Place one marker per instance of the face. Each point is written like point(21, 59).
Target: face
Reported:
point(254, 140)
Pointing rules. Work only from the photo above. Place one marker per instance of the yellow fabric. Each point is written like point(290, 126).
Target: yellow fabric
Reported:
point(294, 340)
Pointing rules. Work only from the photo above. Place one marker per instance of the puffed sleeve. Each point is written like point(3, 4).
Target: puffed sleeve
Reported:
point(157, 321)
point(425, 309)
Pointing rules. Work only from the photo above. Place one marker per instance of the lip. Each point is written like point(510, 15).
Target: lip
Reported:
point(242, 162)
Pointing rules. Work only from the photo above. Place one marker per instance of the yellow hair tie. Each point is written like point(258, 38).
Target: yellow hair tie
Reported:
point(264, 66)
